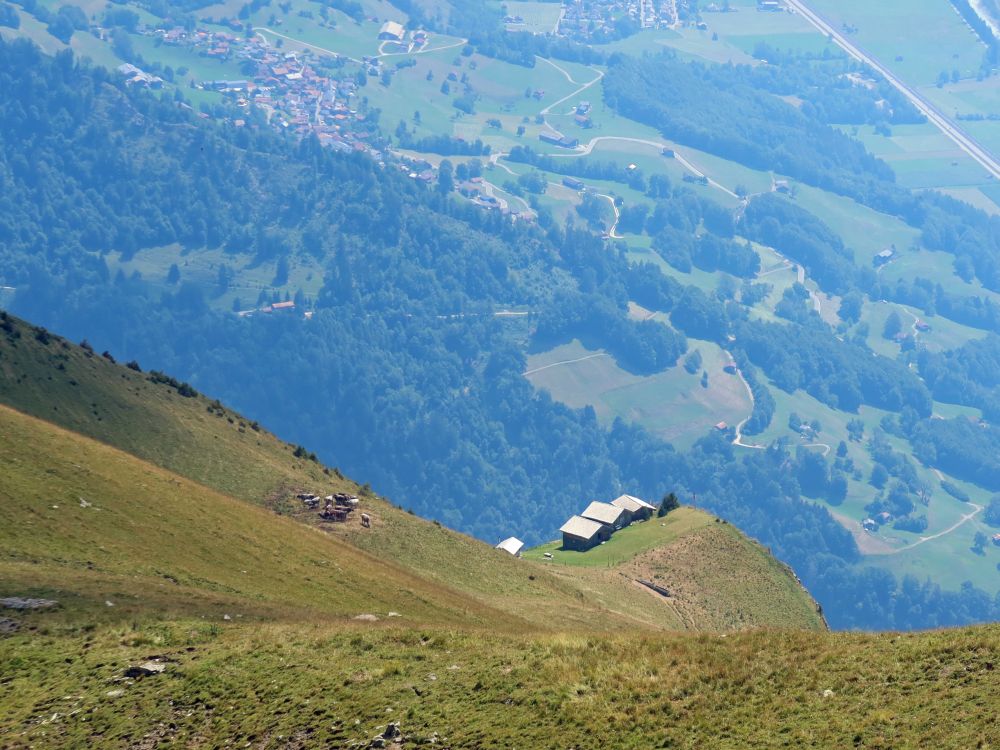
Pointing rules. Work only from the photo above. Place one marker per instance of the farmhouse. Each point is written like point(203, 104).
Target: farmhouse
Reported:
point(581, 534)
point(512, 545)
point(392, 32)
point(559, 140)
point(884, 256)
point(572, 183)
point(639, 509)
point(610, 515)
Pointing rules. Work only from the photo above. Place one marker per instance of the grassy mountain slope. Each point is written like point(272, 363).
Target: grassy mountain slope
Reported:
point(82, 518)
point(201, 440)
point(293, 686)
point(713, 573)
point(489, 652)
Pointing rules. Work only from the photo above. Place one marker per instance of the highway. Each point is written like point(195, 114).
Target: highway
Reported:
point(963, 141)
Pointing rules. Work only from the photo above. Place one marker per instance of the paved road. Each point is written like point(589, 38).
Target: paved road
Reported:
point(963, 141)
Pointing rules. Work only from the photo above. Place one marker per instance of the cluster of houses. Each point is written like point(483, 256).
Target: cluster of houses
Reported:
point(594, 19)
point(593, 526)
point(599, 521)
point(290, 87)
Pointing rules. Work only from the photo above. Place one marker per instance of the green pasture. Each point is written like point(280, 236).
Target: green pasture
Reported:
point(672, 403)
point(626, 543)
point(866, 231)
point(917, 39)
point(539, 18)
point(202, 269)
point(974, 196)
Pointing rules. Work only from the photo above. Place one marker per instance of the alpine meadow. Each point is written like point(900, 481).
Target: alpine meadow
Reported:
point(482, 374)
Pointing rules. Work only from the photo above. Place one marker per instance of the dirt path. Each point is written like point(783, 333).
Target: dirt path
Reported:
point(738, 439)
point(459, 43)
point(324, 50)
point(668, 602)
point(566, 362)
point(612, 233)
point(586, 149)
point(924, 539)
point(584, 87)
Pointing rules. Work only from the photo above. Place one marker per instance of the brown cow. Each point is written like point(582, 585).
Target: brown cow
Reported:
point(366, 520)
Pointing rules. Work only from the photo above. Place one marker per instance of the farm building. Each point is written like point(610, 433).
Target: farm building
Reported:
point(392, 32)
point(559, 140)
point(610, 515)
point(884, 256)
point(639, 509)
point(513, 545)
point(581, 533)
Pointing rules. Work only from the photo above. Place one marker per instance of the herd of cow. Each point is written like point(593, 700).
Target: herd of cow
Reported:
point(337, 508)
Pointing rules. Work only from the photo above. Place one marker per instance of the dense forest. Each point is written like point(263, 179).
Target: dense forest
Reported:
point(404, 376)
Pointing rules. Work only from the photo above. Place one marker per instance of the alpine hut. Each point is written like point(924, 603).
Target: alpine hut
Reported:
point(581, 533)
point(610, 515)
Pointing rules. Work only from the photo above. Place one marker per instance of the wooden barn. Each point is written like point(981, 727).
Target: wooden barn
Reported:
point(607, 514)
point(581, 534)
point(640, 509)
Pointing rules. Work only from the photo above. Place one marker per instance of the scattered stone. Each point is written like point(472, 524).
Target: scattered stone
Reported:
point(84, 503)
point(828, 693)
point(394, 614)
point(226, 617)
point(22, 603)
point(432, 677)
point(392, 732)
point(366, 618)
point(115, 693)
point(454, 668)
point(148, 669)
point(8, 626)
point(108, 603)
point(377, 742)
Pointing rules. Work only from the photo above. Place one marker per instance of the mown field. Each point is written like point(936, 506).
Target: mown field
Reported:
point(672, 404)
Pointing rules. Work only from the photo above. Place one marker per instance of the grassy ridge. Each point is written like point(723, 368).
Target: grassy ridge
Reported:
point(713, 573)
point(202, 441)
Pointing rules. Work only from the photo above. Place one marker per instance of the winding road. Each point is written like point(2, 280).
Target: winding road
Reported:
point(945, 125)
point(965, 519)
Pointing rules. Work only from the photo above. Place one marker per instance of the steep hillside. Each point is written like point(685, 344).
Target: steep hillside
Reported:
point(81, 519)
point(711, 571)
point(186, 617)
point(202, 441)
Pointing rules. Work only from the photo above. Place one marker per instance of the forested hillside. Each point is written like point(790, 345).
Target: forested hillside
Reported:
point(404, 375)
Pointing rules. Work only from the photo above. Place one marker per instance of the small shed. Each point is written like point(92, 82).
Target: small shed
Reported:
point(512, 545)
point(581, 533)
point(608, 514)
point(639, 509)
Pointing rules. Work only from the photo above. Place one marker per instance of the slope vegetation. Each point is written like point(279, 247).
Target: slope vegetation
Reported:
point(202, 441)
point(188, 617)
